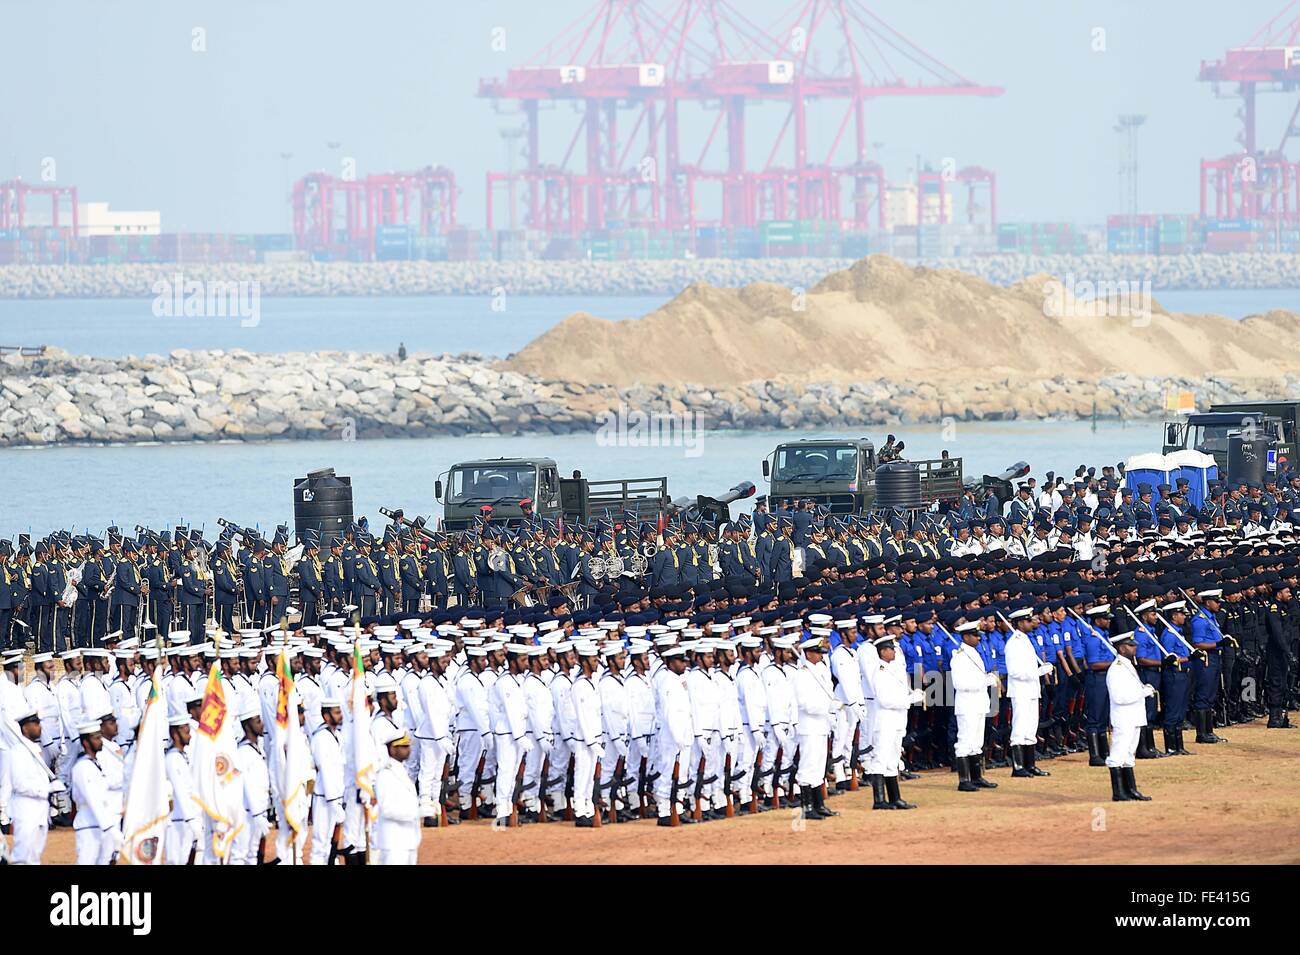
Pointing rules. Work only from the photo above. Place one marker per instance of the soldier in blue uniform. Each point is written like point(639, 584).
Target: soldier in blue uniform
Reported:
point(1150, 661)
point(1098, 656)
point(256, 597)
point(390, 577)
point(438, 571)
point(193, 591)
point(411, 573)
point(127, 590)
point(225, 585)
point(365, 579)
point(276, 572)
point(311, 579)
point(336, 585)
point(1175, 679)
point(1206, 664)
point(8, 592)
point(42, 600)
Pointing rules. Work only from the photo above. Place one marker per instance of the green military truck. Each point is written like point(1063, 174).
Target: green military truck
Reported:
point(841, 474)
point(1249, 440)
point(496, 487)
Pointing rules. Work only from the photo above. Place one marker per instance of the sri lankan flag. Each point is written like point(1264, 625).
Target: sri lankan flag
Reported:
point(218, 789)
point(284, 674)
point(363, 741)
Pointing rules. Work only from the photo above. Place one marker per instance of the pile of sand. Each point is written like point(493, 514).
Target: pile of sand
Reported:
point(883, 319)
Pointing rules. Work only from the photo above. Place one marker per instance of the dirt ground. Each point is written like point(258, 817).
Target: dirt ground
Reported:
point(1231, 803)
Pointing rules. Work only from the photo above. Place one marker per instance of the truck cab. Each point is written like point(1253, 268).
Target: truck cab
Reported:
point(840, 474)
point(501, 484)
point(1227, 427)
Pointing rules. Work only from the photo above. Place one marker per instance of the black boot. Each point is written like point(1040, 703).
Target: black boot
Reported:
point(964, 784)
point(977, 773)
point(1031, 763)
point(1094, 750)
point(1146, 748)
point(1118, 791)
point(895, 800)
point(806, 802)
point(1179, 748)
point(819, 803)
point(1171, 741)
point(878, 798)
point(1131, 787)
point(1278, 720)
point(1018, 770)
point(1204, 722)
point(1105, 746)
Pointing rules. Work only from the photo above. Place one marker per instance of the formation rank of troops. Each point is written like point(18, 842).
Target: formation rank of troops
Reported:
point(508, 674)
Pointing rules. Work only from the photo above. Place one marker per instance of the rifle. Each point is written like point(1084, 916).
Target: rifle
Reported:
point(442, 808)
point(615, 782)
point(854, 760)
point(727, 780)
point(261, 851)
point(335, 839)
point(754, 785)
point(596, 799)
point(543, 784)
point(776, 779)
point(473, 789)
point(672, 808)
point(516, 795)
point(641, 787)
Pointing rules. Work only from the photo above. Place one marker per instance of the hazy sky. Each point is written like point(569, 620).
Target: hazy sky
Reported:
point(115, 94)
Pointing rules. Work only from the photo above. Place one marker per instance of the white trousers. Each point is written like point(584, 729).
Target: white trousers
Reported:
point(395, 856)
point(842, 743)
point(178, 842)
point(469, 748)
point(433, 758)
point(970, 733)
point(812, 759)
point(89, 843)
point(663, 784)
point(1123, 746)
point(509, 753)
point(325, 815)
point(584, 778)
point(1024, 721)
point(886, 748)
point(31, 822)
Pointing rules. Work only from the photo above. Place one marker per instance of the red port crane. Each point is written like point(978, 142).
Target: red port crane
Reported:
point(1257, 182)
point(15, 202)
point(630, 68)
point(338, 216)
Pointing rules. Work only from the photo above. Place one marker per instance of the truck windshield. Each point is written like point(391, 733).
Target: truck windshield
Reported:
point(1212, 438)
point(491, 483)
point(821, 462)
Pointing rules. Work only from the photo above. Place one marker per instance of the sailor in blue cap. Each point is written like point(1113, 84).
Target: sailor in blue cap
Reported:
point(128, 588)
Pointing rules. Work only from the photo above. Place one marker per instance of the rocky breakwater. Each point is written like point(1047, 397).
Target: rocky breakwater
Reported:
point(640, 277)
point(59, 399)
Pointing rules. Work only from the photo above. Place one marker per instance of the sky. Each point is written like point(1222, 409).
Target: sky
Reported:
point(191, 106)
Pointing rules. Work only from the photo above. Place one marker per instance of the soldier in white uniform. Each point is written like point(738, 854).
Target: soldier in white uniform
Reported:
point(751, 698)
point(185, 828)
point(614, 722)
point(256, 779)
point(122, 698)
point(782, 714)
point(98, 834)
point(818, 708)
point(67, 691)
point(113, 760)
point(431, 705)
point(588, 741)
point(640, 716)
point(1128, 714)
point(327, 810)
point(41, 697)
point(1024, 672)
point(971, 682)
point(728, 723)
point(675, 735)
point(561, 689)
point(894, 697)
point(705, 767)
point(846, 668)
point(508, 711)
point(541, 730)
point(397, 828)
point(32, 786)
point(473, 729)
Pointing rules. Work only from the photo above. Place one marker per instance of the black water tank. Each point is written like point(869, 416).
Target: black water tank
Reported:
point(1247, 458)
point(898, 484)
point(322, 502)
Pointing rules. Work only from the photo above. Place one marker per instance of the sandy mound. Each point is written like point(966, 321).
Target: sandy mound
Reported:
point(883, 319)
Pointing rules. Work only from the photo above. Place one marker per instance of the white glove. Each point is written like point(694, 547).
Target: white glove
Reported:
point(114, 837)
point(57, 786)
point(526, 744)
point(1044, 669)
point(760, 741)
point(992, 679)
point(1148, 690)
point(918, 696)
